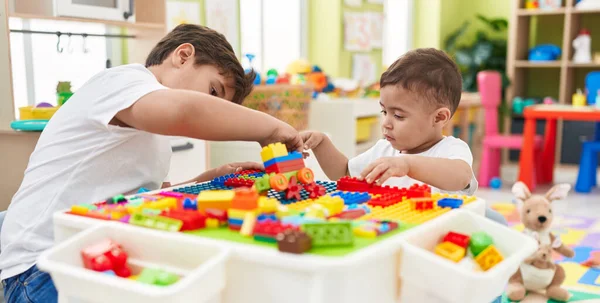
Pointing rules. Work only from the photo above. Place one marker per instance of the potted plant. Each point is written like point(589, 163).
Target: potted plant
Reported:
point(63, 92)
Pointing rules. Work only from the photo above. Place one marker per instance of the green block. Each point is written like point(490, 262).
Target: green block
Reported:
point(262, 184)
point(150, 211)
point(148, 276)
point(89, 206)
point(156, 222)
point(265, 239)
point(479, 241)
point(166, 279)
point(118, 198)
point(329, 233)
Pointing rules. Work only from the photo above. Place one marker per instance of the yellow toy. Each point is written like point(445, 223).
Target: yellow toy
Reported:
point(450, 251)
point(489, 258)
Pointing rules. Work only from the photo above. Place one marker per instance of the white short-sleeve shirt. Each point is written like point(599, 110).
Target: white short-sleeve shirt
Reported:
point(448, 147)
point(81, 158)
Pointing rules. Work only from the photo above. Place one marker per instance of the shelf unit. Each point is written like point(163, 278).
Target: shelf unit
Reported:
point(518, 67)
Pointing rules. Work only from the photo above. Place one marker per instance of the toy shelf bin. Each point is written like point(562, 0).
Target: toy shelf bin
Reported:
point(427, 277)
point(200, 263)
point(364, 127)
point(36, 113)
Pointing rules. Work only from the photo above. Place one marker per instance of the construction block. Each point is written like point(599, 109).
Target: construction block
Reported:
point(315, 190)
point(79, 210)
point(450, 251)
point(267, 205)
point(458, 239)
point(285, 167)
point(290, 157)
point(218, 199)
point(419, 191)
point(353, 197)
point(274, 150)
point(347, 183)
point(218, 214)
point(238, 182)
point(245, 198)
point(171, 194)
point(191, 219)
point(293, 190)
point(156, 222)
point(240, 214)
point(191, 204)
point(489, 258)
point(269, 228)
point(156, 277)
point(450, 202)
point(249, 172)
point(220, 181)
point(248, 225)
point(350, 214)
point(212, 223)
point(278, 182)
point(479, 242)
point(421, 203)
point(330, 233)
point(262, 183)
point(386, 200)
point(334, 205)
point(293, 241)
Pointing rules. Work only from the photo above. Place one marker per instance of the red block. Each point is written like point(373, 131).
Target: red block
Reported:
point(285, 167)
point(350, 214)
point(239, 182)
point(293, 190)
point(270, 228)
point(104, 255)
point(191, 219)
point(386, 200)
point(248, 172)
point(353, 184)
point(458, 239)
point(315, 190)
point(419, 191)
point(218, 214)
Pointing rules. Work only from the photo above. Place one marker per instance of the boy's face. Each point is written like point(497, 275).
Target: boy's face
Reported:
point(185, 74)
point(410, 123)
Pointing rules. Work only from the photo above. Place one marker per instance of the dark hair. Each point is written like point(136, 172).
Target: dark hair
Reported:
point(212, 49)
point(429, 72)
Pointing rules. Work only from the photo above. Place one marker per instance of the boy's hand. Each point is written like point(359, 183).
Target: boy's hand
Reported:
point(384, 168)
point(312, 139)
point(286, 135)
point(232, 168)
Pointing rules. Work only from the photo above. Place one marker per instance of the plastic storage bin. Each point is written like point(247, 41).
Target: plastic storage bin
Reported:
point(427, 277)
point(200, 262)
point(36, 113)
point(364, 127)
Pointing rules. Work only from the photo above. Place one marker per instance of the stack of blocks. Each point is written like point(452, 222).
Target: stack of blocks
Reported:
point(454, 247)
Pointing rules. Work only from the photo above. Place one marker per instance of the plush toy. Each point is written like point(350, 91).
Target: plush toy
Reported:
point(534, 274)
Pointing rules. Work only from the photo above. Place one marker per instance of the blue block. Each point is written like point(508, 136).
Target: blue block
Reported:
point(291, 156)
point(233, 221)
point(588, 164)
point(353, 197)
point(264, 217)
point(450, 202)
point(142, 190)
point(190, 204)
point(109, 272)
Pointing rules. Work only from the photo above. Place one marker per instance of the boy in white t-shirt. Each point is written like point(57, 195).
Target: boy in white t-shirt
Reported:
point(419, 94)
point(111, 138)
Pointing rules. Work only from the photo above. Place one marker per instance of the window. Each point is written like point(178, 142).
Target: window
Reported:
point(37, 66)
point(274, 31)
point(397, 30)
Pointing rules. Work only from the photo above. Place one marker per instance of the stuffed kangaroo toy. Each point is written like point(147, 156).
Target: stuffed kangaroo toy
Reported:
point(534, 273)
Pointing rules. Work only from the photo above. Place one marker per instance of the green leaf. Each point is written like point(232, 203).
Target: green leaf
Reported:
point(482, 51)
point(497, 24)
point(450, 44)
point(463, 58)
point(469, 83)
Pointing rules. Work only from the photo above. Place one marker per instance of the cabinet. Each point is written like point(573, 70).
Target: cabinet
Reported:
point(95, 9)
point(188, 160)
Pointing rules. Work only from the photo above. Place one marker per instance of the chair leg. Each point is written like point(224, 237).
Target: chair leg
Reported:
point(593, 169)
point(540, 174)
point(484, 167)
point(584, 177)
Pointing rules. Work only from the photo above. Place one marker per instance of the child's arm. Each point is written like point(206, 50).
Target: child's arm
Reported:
point(192, 114)
point(445, 174)
point(331, 160)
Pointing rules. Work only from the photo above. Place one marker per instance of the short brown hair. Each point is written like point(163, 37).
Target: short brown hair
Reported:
point(429, 72)
point(212, 49)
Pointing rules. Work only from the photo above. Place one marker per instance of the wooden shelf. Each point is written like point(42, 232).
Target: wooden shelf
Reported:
point(536, 12)
point(592, 64)
point(137, 25)
point(584, 11)
point(537, 64)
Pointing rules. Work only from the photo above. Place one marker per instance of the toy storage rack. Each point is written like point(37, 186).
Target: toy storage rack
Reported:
point(371, 274)
point(289, 103)
point(517, 65)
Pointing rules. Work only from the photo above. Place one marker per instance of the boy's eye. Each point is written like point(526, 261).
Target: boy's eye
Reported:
point(213, 91)
point(383, 112)
point(398, 117)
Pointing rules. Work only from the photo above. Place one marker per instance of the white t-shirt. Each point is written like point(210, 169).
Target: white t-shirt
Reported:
point(80, 158)
point(449, 148)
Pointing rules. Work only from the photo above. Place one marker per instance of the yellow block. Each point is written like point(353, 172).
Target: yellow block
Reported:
point(334, 205)
point(361, 232)
point(488, 258)
point(267, 205)
point(218, 199)
point(248, 225)
point(133, 209)
point(450, 251)
point(212, 223)
point(239, 213)
point(79, 210)
point(161, 204)
point(273, 151)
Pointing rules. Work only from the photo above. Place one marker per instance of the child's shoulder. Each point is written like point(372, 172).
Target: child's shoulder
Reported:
point(449, 146)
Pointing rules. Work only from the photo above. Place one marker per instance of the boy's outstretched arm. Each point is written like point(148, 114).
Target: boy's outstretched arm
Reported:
point(445, 174)
point(331, 160)
point(196, 115)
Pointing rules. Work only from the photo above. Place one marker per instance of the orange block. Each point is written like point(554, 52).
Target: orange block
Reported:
point(245, 198)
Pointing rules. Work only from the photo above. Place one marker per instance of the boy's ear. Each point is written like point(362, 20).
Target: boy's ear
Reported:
point(183, 53)
point(442, 115)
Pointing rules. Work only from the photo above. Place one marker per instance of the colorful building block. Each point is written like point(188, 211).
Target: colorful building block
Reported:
point(315, 190)
point(450, 202)
point(248, 225)
point(293, 190)
point(218, 214)
point(285, 167)
point(419, 191)
point(353, 197)
point(347, 183)
point(267, 205)
point(156, 222)
point(191, 204)
point(262, 183)
point(270, 229)
point(293, 241)
point(421, 203)
point(245, 198)
point(290, 157)
point(104, 256)
point(334, 205)
point(450, 251)
point(329, 234)
point(350, 214)
point(386, 200)
point(218, 199)
point(171, 194)
point(273, 151)
point(488, 258)
point(191, 219)
point(479, 242)
point(239, 182)
point(458, 239)
point(157, 277)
